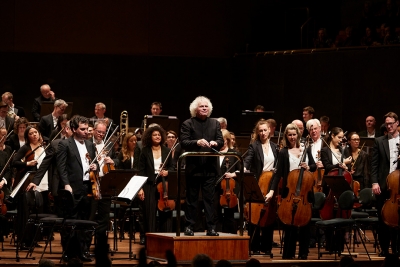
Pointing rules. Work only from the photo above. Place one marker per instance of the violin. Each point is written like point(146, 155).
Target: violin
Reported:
point(3, 207)
point(318, 174)
point(356, 184)
point(295, 209)
point(228, 199)
point(331, 201)
point(94, 179)
point(165, 204)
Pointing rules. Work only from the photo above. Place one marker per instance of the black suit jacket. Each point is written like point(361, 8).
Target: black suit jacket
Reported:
point(13, 142)
point(365, 133)
point(326, 159)
point(70, 165)
point(146, 163)
point(254, 160)
point(49, 164)
point(194, 129)
point(126, 165)
point(380, 162)
point(9, 123)
point(37, 106)
point(46, 125)
point(19, 111)
point(7, 174)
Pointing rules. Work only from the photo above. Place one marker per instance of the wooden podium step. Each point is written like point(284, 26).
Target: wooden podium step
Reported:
point(225, 246)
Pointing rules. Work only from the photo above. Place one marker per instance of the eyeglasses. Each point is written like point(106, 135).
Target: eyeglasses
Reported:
point(355, 139)
point(99, 132)
point(171, 136)
point(390, 123)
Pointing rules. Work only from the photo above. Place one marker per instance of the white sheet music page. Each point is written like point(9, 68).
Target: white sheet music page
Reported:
point(133, 187)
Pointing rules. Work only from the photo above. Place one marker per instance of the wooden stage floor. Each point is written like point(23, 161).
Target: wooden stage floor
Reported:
point(121, 257)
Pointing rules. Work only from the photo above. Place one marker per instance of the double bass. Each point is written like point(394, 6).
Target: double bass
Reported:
point(295, 209)
point(330, 209)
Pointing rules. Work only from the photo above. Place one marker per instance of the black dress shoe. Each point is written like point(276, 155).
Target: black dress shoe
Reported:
point(275, 245)
point(266, 252)
point(142, 240)
point(85, 258)
point(212, 233)
point(189, 231)
point(303, 257)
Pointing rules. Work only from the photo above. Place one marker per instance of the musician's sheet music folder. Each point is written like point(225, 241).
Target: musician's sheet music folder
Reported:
point(131, 189)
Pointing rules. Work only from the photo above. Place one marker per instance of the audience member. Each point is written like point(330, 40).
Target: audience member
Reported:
point(345, 260)
point(223, 263)
point(369, 38)
point(322, 40)
point(202, 260)
point(253, 263)
point(75, 262)
point(46, 263)
point(391, 260)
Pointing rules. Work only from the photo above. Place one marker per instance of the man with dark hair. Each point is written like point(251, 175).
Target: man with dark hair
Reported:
point(324, 120)
point(156, 108)
point(74, 159)
point(308, 114)
point(259, 108)
point(384, 161)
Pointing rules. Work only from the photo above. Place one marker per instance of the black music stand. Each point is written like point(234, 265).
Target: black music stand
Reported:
point(252, 194)
point(337, 184)
point(111, 186)
point(248, 120)
point(166, 122)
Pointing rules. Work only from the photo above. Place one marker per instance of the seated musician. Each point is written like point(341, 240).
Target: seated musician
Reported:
point(261, 157)
point(289, 160)
point(226, 222)
point(5, 154)
point(99, 111)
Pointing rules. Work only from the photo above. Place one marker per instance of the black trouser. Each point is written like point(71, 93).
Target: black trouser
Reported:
point(291, 235)
point(100, 213)
point(193, 185)
point(387, 235)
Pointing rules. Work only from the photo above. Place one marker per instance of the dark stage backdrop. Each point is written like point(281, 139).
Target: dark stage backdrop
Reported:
point(345, 85)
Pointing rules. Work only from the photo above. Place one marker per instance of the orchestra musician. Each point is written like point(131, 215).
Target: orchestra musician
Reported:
point(99, 111)
point(226, 222)
point(46, 95)
point(261, 157)
point(17, 138)
point(383, 162)
point(201, 134)
point(360, 164)
point(153, 162)
point(13, 110)
point(128, 159)
point(177, 152)
point(5, 121)
point(74, 168)
point(5, 153)
point(289, 159)
point(26, 159)
point(61, 124)
point(48, 123)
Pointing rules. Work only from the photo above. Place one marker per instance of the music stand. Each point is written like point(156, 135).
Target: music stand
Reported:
point(167, 122)
point(252, 194)
point(112, 184)
point(337, 184)
point(47, 107)
point(248, 120)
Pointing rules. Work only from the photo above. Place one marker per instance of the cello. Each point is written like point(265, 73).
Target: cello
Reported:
point(328, 210)
point(295, 209)
point(391, 207)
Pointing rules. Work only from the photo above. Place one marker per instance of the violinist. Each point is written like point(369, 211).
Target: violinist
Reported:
point(261, 157)
point(100, 210)
point(359, 166)
point(153, 162)
point(288, 160)
point(26, 159)
point(5, 153)
point(16, 140)
point(74, 169)
point(384, 161)
point(226, 222)
point(177, 152)
point(61, 123)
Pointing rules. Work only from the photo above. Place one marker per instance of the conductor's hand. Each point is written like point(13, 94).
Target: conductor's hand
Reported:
point(213, 143)
point(203, 143)
point(31, 185)
point(141, 194)
point(68, 187)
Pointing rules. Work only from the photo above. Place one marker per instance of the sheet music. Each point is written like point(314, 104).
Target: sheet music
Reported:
point(16, 189)
point(133, 186)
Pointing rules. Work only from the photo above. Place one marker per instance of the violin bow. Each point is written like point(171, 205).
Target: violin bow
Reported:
point(6, 136)
point(332, 151)
point(169, 153)
point(105, 146)
point(358, 154)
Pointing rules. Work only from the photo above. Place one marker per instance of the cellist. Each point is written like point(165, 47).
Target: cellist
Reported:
point(260, 158)
point(384, 161)
point(288, 160)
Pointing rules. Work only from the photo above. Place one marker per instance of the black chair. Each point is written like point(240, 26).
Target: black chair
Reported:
point(337, 226)
point(319, 200)
point(366, 199)
point(66, 224)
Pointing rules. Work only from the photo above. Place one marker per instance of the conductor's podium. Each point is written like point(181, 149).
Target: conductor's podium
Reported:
point(225, 246)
